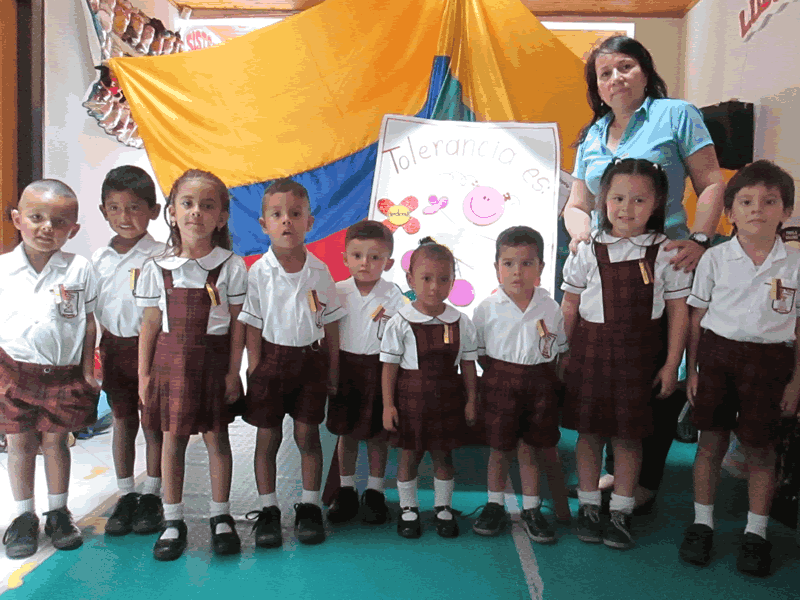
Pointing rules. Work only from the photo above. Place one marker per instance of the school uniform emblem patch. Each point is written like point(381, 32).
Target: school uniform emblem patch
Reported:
point(67, 301)
point(783, 303)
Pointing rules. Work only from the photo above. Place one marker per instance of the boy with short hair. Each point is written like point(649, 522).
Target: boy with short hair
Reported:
point(47, 336)
point(520, 335)
point(291, 307)
point(128, 203)
point(356, 412)
point(742, 373)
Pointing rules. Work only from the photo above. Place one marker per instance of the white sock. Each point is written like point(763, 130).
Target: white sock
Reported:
point(152, 485)
point(172, 512)
point(594, 498)
point(125, 485)
point(407, 490)
point(57, 500)
point(443, 496)
point(497, 498)
point(268, 500)
point(312, 497)
point(24, 506)
point(347, 481)
point(217, 509)
point(529, 502)
point(375, 483)
point(757, 524)
point(623, 504)
point(704, 514)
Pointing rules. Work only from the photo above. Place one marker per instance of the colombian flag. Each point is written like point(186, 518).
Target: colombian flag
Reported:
point(304, 98)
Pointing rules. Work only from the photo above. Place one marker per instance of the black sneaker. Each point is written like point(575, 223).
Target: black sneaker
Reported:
point(121, 520)
point(536, 526)
point(696, 545)
point(373, 507)
point(267, 526)
point(755, 556)
point(617, 532)
point(149, 516)
point(227, 542)
point(492, 520)
point(589, 528)
point(21, 539)
point(344, 506)
point(172, 549)
point(62, 530)
point(409, 528)
point(446, 528)
point(308, 523)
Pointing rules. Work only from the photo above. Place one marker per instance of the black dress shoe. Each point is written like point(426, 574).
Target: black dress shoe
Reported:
point(22, 536)
point(121, 520)
point(267, 526)
point(149, 514)
point(228, 542)
point(344, 506)
point(172, 549)
point(410, 529)
point(373, 508)
point(61, 529)
point(446, 528)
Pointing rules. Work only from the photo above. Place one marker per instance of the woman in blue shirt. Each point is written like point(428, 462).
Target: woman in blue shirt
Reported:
point(633, 118)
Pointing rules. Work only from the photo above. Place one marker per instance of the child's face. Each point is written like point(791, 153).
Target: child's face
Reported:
point(197, 210)
point(287, 219)
point(432, 280)
point(45, 221)
point(367, 259)
point(127, 214)
point(519, 269)
point(630, 202)
point(757, 210)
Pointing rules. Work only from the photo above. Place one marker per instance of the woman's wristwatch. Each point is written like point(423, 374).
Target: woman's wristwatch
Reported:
point(701, 238)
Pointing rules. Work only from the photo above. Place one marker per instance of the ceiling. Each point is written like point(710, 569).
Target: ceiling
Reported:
point(541, 8)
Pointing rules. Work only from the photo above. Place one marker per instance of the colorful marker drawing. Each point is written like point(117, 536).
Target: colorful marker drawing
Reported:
point(436, 204)
point(399, 215)
point(484, 205)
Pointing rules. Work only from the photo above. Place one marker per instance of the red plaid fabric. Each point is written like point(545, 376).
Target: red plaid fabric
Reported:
point(357, 409)
point(119, 358)
point(740, 387)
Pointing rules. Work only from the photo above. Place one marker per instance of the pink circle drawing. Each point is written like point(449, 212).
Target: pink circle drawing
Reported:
point(405, 262)
point(462, 293)
point(484, 205)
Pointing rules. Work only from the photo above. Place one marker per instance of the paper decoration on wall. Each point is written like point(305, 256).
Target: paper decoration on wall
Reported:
point(399, 215)
point(510, 171)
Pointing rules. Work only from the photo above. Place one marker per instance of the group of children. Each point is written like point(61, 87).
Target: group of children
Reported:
point(177, 319)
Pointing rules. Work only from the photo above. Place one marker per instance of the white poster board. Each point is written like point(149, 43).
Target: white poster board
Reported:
point(463, 183)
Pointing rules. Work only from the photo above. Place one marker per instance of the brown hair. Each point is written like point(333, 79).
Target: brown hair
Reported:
point(370, 230)
point(221, 237)
point(428, 248)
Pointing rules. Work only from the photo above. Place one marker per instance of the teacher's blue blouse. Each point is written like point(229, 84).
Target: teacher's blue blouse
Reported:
point(664, 131)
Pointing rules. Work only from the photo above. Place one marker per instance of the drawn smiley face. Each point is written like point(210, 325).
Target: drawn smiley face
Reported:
point(484, 205)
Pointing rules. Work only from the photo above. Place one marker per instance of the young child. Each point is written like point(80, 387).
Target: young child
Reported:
point(520, 335)
point(356, 411)
point(427, 405)
point(128, 203)
point(47, 337)
point(744, 315)
point(291, 307)
point(616, 289)
point(190, 351)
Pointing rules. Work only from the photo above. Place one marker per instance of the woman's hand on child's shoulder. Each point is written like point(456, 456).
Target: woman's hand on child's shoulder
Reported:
point(689, 254)
point(576, 241)
point(390, 418)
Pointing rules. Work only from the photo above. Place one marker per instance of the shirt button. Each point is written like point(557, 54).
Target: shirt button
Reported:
point(47, 369)
point(169, 291)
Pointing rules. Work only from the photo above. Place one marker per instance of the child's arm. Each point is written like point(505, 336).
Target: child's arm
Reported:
point(332, 343)
point(233, 382)
point(388, 382)
point(570, 304)
point(791, 394)
point(695, 316)
point(87, 358)
point(253, 343)
point(470, 375)
point(677, 320)
point(151, 325)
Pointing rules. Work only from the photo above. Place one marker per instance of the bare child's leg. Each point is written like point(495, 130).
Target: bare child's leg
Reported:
point(443, 486)
point(378, 452)
point(588, 456)
point(373, 502)
point(627, 466)
point(308, 443)
point(173, 466)
point(268, 441)
point(22, 448)
point(347, 447)
point(761, 487)
point(530, 468)
point(408, 525)
point(220, 465)
point(123, 447)
point(59, 526)
point(154, 441)
point(550, 460)
point(711, 449)
point(493, 517)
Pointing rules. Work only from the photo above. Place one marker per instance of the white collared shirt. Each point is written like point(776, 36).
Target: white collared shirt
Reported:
point(582, 275)
point(192, 273)
point(117, 311)
point(278, 302)
point(361, 329)
point(43, 315)
point(737, 293)
point(399, 346)
point(507, 333)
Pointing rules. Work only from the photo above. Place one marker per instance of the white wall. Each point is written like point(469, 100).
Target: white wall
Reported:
point(76, 150)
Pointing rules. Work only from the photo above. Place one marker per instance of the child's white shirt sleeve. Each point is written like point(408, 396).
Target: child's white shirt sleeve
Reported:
point(236, 284)
point(561, 333)
point(91, 289)
point(329, 295)
point(251, 313)
point(479, 320)
point(469, 338)
point(703, 284)
point(150, 286)
point(577, 269)
point(395, 338)
point(677, 283)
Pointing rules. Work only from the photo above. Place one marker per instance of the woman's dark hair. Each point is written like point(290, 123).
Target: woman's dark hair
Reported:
point(760, 171)
point(222, 236)
point(430, 249)
point(618, 44)
point(636, 166)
